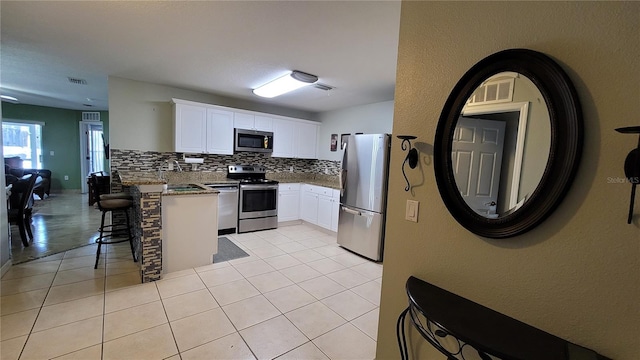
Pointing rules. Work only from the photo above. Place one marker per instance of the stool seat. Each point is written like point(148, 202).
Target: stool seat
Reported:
point(118, 195)
point(116, 204)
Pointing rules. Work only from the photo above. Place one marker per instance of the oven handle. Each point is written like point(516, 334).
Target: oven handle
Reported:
point(258, 187)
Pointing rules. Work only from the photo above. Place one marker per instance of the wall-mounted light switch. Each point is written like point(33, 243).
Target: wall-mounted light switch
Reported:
point(411, 213)
point(51, 152)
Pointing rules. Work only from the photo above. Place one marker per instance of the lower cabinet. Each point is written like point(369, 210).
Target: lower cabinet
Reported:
point(309, 204)
point(288, 202)
point(320, 206)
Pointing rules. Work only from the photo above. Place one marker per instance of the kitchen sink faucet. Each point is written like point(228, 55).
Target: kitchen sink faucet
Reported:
point(178, 165)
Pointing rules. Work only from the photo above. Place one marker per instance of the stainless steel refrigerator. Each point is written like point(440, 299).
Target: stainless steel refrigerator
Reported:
point(363, 199)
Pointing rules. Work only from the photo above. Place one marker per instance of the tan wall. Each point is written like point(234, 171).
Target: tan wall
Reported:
point(141, 116)
point(578, 274)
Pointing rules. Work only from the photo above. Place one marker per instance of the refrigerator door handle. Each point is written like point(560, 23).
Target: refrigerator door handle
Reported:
point(343, 173)
point(350, 211)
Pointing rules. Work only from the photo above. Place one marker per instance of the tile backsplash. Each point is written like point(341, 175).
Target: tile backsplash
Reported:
point(137, 160)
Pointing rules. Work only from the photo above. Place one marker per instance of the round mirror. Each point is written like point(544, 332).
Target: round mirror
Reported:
point(508, 143)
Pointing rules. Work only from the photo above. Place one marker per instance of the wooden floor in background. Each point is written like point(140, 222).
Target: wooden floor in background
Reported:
point(61, 222)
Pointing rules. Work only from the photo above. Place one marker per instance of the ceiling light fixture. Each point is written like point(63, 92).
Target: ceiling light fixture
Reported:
point(8, 98)
point(292, 81)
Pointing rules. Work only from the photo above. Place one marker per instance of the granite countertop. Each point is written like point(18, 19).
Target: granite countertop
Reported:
point(330, 181)
point(204, 190)
point(130, 178)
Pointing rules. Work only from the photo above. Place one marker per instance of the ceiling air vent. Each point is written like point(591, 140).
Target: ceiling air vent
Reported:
point(90, 116)
point(322, 87)
point(77, 81)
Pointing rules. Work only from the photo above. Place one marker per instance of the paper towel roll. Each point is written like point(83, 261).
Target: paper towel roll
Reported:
point(194, 160)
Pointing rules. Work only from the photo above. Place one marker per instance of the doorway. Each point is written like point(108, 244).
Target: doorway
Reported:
point(92, 153)
point(516, 135)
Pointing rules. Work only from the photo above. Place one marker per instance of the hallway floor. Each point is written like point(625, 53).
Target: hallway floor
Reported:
point(297, 296)
point(62, 221)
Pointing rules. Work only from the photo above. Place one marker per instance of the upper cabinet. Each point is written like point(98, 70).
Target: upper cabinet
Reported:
point(190, 123)
point(219, 132)
point(295, 138)
point(307, 143)
point(208, 129)
point(202, 128)
point(283, 138)
point(252, 122)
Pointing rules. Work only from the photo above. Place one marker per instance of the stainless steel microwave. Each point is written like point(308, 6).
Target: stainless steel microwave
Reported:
point(253, 140)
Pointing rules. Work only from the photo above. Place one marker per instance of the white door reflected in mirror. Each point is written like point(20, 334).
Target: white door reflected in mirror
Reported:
point(501, 143)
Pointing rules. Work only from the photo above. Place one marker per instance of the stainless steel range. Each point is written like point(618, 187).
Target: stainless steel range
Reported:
point(258, 204)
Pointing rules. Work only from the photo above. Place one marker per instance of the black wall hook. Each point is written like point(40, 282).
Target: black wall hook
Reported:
point(411, 158)
point(632, 166)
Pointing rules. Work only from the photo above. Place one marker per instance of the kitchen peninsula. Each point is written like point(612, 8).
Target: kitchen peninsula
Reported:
point(160, 223)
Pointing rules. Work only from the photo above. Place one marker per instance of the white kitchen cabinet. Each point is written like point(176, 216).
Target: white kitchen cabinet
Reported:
point(252, 121)
point(320, 206)
point(283, 138)
point(307, 143)
point(324, 211)
point(189, 231)
point(219, 132)
point(288, 202)
point(294, 139)
point(202, 128)
point(309, 204)
point(190, 128)
point(328, 208)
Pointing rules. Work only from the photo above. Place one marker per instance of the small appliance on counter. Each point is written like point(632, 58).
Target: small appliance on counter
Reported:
point(258, 204)
point(363, 199)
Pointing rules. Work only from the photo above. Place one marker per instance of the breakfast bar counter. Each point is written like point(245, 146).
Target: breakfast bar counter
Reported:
point(148, 189)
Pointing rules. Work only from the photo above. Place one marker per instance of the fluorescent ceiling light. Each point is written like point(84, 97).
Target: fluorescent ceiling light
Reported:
point(294, 80)
point(8, 98)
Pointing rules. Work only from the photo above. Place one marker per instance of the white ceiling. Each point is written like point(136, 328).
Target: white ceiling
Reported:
point(220, 47)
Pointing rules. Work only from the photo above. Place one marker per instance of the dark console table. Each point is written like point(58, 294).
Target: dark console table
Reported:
point(461, 328)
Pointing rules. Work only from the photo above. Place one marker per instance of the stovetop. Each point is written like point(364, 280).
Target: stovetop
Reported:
point(249, 174)
point(257, 181)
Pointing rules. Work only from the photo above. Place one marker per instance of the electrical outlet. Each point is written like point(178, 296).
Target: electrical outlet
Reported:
point(51, 152)
point(66, 177)
point(411, 213)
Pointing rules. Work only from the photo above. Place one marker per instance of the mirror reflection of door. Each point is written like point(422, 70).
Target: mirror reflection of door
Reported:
point(92, 149)
point(477, 158)
point(526, 141)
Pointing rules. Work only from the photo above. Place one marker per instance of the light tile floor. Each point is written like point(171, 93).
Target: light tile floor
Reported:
point(297, 296)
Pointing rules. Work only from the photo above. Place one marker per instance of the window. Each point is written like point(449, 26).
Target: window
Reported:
point(25, 141)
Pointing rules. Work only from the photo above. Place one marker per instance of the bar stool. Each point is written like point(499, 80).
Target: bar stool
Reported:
point(109, 234)
point(111, 196)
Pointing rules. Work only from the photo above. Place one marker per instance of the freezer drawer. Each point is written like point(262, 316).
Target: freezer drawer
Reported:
point(361, 232)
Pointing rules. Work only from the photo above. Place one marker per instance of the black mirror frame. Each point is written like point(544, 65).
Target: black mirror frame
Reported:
point(564, 155)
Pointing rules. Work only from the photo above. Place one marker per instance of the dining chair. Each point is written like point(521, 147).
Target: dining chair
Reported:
point(21, 206)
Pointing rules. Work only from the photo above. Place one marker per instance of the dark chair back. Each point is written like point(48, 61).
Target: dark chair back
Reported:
point(97, 182)
point(21, 198)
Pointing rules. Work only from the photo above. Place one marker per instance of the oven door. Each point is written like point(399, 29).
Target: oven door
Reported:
point(258, 200)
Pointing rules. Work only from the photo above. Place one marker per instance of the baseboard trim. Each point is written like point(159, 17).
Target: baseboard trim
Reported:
point(5, 267)
point(319, 228)
point(289, 223)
